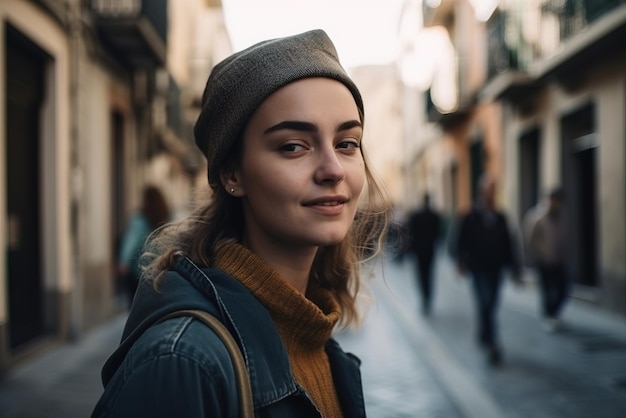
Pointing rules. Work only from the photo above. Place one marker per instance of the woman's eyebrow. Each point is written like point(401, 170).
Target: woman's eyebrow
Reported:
point(349, 125)
point(295, 125)
point(292, 125)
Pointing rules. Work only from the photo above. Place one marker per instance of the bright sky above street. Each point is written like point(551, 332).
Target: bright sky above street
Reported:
point(365, 32)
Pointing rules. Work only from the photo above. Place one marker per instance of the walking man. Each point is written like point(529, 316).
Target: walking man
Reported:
point(484, 247)
point(424, 229)
point(546, 244)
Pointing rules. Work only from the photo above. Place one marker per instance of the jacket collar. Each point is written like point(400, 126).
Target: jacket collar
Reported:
point(212, 290)
point(251, 326)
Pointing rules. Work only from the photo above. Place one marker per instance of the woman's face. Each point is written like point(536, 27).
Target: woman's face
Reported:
point(301, 171)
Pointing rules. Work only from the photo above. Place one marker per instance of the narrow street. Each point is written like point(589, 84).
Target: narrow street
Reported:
point(412, 366)
point(415, 366)
point(105, 101)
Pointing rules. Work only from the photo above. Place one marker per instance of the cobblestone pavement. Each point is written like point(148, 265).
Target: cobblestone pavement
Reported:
point(412, 366)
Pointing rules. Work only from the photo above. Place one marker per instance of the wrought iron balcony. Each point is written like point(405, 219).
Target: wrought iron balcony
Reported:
point(527, 45)
point(506, 54)
point(573, 16)
point(135, 31)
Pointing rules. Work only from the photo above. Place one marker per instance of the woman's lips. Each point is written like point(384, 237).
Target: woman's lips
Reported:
point(327, 205)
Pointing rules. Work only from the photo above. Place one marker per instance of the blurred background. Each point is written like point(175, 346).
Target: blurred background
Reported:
point(98, 99)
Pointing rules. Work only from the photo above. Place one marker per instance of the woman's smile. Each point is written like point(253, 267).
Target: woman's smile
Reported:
point(327, 205)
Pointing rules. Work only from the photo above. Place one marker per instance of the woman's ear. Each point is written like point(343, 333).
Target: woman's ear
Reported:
point(231, 182)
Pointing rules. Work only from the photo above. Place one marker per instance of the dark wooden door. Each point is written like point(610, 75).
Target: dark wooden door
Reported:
point(24, 88)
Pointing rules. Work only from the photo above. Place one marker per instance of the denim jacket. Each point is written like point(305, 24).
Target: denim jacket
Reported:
point(180, 368)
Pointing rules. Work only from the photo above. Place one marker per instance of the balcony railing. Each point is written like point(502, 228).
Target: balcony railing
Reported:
point(134, 30)
point(505, 50)
point(573, 16)
point(516, 39)
point(116, 8)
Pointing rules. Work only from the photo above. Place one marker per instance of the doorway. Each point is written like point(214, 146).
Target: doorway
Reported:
point(528, 170)
point(579, 144)
point(117, 192)
point(25, 67)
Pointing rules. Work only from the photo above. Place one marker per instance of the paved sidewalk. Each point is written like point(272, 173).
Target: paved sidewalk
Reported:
point(63, 382)
point(577, 372)
point(407, 372)
point(397, 381)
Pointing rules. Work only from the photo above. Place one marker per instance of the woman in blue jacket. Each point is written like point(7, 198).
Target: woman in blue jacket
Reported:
point(274, 255)
point(153, 214)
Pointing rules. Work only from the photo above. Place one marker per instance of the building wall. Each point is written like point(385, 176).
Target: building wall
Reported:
point(57, 272)
point(97, 259)
point(382, 137)
point(604, 89)
point(488, 117)
point(567, 96)
point(98, 147)
point(612, 191)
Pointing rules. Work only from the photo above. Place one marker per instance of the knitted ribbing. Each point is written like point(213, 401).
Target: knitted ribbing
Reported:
point(304, 323)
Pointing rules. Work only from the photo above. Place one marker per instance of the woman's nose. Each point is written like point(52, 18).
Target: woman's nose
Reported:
point(330, 168)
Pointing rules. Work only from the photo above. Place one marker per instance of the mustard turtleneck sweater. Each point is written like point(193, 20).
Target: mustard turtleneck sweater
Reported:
point(304, 323)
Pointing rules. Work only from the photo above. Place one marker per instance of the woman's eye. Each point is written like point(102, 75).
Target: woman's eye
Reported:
point(291, 148)
point(348, 145)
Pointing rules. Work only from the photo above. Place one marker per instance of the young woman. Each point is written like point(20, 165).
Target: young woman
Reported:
point(274, 255)
point(153, 214)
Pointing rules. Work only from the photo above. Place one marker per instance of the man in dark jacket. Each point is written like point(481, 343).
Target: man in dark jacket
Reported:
point(484, 246)
point(424, 228)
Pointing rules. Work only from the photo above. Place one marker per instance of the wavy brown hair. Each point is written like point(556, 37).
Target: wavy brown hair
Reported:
point(154, 206)
point(220, 219)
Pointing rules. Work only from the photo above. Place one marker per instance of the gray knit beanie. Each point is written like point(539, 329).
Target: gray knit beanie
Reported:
point(241, 82)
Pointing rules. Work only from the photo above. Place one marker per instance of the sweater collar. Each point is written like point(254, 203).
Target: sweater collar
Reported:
point(304, 322)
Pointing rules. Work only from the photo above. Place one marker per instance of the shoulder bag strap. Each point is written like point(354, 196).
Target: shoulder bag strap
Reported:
point(241, 373)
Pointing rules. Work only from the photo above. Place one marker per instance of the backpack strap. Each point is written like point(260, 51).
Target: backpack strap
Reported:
point(241, 372)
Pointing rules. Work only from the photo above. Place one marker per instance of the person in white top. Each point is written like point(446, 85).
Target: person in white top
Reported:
point(547, 238)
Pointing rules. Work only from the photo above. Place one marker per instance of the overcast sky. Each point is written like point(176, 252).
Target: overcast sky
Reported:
point(365, 32)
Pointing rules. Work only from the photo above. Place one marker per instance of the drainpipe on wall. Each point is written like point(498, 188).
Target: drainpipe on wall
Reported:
point(76, 183)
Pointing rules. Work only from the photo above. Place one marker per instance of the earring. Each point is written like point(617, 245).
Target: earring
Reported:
point(232, 190)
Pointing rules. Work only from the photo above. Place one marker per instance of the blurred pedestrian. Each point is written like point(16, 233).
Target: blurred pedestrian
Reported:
point(397, 236)
point(424, 227)
point(153, 213)
point(274, 255)
point(484, 247)
point(547, 242)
